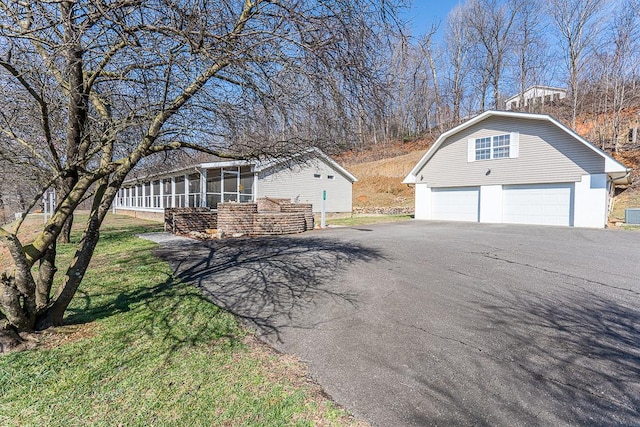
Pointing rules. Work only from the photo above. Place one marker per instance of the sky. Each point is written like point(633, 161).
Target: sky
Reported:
point(424, 13)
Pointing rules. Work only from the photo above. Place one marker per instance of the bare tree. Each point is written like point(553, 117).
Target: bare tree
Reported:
point(100, 86)
point(576, 22)
point(623, 66)
point(427, 46)
point(529, 45)
point(458, 44)
point(492, 22)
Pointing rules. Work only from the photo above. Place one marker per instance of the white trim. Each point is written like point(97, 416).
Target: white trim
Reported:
point(514, 145)
point(213, 165)
point(173, 191)
point(471, 150)
point(203, 188)
point(611, 165)
point(261, 166)
point(258, 166)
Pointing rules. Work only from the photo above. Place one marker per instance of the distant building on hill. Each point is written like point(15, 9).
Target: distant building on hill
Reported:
point(535, 95)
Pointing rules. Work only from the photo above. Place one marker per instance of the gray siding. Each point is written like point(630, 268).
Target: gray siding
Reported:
point(547, 155)
point(299, 185)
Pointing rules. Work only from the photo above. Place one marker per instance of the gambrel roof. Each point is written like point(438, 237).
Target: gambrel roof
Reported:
point(619, 173)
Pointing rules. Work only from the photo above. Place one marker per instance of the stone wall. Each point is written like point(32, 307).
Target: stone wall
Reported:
point(185, 220)
point(236, 218)
point(300, 208)
point(399, 210)
point(270, 204)
point(274, 223)
point(265, 218)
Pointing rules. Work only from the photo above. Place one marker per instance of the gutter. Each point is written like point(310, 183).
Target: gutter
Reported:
point(624, 179)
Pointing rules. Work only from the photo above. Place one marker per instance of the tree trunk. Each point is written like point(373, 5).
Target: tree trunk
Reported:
point(9, 338)
point(17, 291)
point(65, 234)
point(46, 274)
point(54, 315)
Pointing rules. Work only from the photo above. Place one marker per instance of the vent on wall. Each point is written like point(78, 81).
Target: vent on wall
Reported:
point(632, 216)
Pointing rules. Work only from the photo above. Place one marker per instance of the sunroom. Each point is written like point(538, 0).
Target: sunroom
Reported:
point(204, 186)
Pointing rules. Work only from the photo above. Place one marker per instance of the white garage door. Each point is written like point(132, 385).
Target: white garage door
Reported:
point(455, 204)
point(545, 204)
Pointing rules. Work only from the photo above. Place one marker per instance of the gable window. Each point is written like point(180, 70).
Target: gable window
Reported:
point(317, 175)
point(493, 147)
point(483, 148)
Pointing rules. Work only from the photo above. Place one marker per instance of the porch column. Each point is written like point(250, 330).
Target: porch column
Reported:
point(186, 191)
point(161, 185)
point(203, 188)
point(254, 190)
point(173, 191)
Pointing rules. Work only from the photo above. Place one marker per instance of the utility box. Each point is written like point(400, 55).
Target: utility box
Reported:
point(632, 216)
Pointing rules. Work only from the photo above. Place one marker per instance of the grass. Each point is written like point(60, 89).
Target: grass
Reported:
point(629, 198)
point(140, 348)
point(631, 227)
point(365, 220)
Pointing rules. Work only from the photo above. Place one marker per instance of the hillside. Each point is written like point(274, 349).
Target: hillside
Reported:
point(380, 181)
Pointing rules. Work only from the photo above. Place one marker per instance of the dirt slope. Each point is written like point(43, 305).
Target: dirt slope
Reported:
point(380, 182)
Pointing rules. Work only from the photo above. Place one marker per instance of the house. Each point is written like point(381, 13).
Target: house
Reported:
point(535, 95)
point(303, 178)
point(521, 168)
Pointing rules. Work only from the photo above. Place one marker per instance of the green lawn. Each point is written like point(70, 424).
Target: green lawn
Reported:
point(364, 220)
point(142, 349)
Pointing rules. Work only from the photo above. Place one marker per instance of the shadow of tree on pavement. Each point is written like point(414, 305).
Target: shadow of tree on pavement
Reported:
point(269, 282)
point(577, 355)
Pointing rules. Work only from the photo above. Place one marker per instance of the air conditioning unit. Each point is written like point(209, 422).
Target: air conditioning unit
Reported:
point(632, 216)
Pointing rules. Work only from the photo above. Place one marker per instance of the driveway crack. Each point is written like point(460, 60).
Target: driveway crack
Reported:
point(521, 366)
point(546, 270)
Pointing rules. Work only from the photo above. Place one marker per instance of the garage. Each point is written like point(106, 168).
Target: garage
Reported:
point(455, 204)
point(518, 168)
point(543, 204)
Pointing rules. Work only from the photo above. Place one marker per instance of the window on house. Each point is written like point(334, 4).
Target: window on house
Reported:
point(483, 148)
point(495, 147)
point(330, 177)
point(317, 175)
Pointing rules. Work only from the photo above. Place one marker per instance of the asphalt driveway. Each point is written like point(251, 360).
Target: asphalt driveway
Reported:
point(426, 323)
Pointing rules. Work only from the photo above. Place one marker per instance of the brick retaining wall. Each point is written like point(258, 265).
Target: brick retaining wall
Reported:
point(267, 217)
point(184, 220)
point(236, 218)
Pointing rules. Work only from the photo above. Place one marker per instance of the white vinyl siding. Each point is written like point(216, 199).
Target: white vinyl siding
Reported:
point(455, 204)
point(539, 152)
point(542, 204)
point(305, 183)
